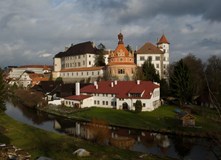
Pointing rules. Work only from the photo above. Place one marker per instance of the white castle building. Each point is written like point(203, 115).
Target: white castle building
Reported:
point(159, 55)
point(77, 63)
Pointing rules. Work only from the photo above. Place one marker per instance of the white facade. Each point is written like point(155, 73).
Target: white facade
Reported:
point(81, 104)
point(75, 61)
point(17, 72)
point(78, 74)
point(24, 80)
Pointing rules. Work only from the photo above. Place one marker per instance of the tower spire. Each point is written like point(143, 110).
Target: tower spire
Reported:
point(120, 38)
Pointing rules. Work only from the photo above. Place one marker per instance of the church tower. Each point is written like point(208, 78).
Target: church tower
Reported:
point(121, 62)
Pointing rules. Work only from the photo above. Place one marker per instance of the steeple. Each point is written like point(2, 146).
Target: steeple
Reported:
point(120, 38)
point(163, 39)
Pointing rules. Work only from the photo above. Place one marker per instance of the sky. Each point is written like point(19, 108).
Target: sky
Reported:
point(33, 31)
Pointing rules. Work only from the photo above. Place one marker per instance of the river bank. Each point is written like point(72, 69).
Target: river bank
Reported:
point(162, 120)
point(41, 143)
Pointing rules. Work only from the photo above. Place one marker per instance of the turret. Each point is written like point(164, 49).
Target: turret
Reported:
point(163, 44)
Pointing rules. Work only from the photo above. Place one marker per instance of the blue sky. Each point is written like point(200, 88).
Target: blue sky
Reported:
point(32, 32)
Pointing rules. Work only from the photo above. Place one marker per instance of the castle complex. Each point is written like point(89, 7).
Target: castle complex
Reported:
point(77, 63)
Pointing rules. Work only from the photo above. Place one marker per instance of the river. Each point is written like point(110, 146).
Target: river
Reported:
point(186, 148)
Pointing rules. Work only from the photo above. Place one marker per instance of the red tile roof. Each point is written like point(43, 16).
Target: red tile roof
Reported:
point(78, 98)
point(122, 88)
point(82, 69)
point(163, 39)
point(36, 66)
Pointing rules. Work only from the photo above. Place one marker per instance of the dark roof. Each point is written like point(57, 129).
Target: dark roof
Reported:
point(54, 87)
point(78, 49)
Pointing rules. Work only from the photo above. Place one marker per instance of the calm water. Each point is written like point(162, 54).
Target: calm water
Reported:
point(146, 142)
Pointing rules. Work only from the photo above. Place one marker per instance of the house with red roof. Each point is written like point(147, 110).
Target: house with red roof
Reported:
point(116, 95)
point(29, 79)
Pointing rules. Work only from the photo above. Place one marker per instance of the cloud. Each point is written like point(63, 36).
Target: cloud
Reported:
point(45, 55)
point(33, 31)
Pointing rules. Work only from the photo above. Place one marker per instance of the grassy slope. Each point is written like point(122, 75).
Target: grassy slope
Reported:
point(38, 142)
point(163, 117)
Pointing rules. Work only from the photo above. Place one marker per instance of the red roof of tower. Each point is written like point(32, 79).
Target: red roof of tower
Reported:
point(163, 39)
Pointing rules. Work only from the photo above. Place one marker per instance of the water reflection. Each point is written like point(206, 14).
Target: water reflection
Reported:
point(136, 140)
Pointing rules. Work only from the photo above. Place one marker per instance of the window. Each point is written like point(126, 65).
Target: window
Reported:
point(98, 102)
point(144, 105)
point(89, 62)
point(142, 58)
point(106, 102)
point(157, 58)
point(79, 64)
point(82, 73)
point(92, 73)
point(79, 57)
point(103, 102)
point(121, 71)
point(83, 62)
point(157, 65)
point(95, 102)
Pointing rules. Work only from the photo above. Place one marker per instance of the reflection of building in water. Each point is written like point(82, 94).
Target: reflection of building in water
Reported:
point(118, 137)
point(163, 142)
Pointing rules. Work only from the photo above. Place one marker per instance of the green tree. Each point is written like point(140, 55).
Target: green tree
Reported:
point(100, 61)
point(138, 74)
point(59, 79)
point(129, 48)
point(106, 75)
point(3, 92)
point(149, 71)
point(138, 106)
point(180, 83)
point(164, 88)
point(196, 69)
point(213, 79)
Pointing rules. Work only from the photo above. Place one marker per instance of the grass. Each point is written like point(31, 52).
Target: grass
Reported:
point(59, 147)
point(163, 117)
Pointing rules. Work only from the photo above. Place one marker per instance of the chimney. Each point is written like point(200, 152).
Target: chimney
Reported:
point(112, 84)
point(77, 88)
point(115, 82)
point(138, 82)
point(95, 84)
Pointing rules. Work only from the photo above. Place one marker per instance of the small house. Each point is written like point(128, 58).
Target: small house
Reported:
point(188, 120)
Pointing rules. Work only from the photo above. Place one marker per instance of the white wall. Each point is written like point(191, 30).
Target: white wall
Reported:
point(85, 103)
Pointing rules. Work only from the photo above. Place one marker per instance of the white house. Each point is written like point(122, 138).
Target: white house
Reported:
point(159, 55)
point(117, 95)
